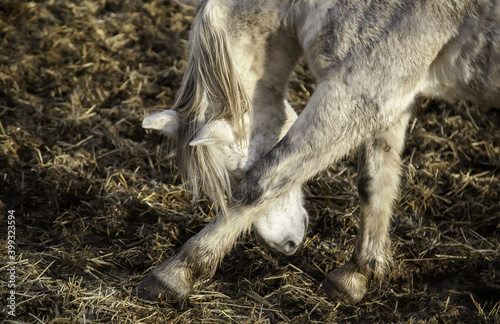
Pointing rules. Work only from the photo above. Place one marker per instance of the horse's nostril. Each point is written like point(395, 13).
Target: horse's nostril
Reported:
point(290, 246)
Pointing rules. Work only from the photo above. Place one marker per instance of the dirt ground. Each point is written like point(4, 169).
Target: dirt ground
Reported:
point(97, 201)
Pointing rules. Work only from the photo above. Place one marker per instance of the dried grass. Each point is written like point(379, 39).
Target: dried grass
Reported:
point(98, 201)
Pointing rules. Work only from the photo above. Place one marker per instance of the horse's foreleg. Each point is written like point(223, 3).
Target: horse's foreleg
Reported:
point(378, 174)
point(198, 258)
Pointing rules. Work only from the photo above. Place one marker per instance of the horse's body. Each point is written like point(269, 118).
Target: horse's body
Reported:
point(371, 59)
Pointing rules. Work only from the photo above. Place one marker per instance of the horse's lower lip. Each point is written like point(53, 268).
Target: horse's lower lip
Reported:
point(281, 249)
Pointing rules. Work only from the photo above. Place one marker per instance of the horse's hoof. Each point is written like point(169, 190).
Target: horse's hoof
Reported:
point(150, 289)
point(153, 289)
point(346, 284)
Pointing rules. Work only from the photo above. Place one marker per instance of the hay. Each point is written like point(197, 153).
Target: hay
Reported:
point(98, 201)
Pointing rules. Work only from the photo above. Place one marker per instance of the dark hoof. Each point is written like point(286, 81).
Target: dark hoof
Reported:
point(332, 290)
point(152, 289)
point(345, 284)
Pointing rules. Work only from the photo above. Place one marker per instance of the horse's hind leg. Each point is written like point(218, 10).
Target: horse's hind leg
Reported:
point(378, 174)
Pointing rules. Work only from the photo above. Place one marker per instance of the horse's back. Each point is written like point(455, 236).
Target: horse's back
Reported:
point(432, 48)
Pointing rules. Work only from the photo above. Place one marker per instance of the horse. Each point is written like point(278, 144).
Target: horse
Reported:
point(239, 140)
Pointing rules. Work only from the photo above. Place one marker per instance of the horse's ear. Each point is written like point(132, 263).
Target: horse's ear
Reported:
point(216, 132)
point(166, 121)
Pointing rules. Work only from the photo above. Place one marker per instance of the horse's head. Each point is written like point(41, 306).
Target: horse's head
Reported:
point(231, 154)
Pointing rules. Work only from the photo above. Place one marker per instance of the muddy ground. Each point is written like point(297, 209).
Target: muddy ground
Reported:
point(98, 202)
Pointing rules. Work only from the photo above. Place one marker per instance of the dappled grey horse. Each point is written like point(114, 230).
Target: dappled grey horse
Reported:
point(240, 141)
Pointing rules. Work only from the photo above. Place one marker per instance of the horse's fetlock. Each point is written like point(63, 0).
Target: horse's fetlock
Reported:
point(376, 268)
